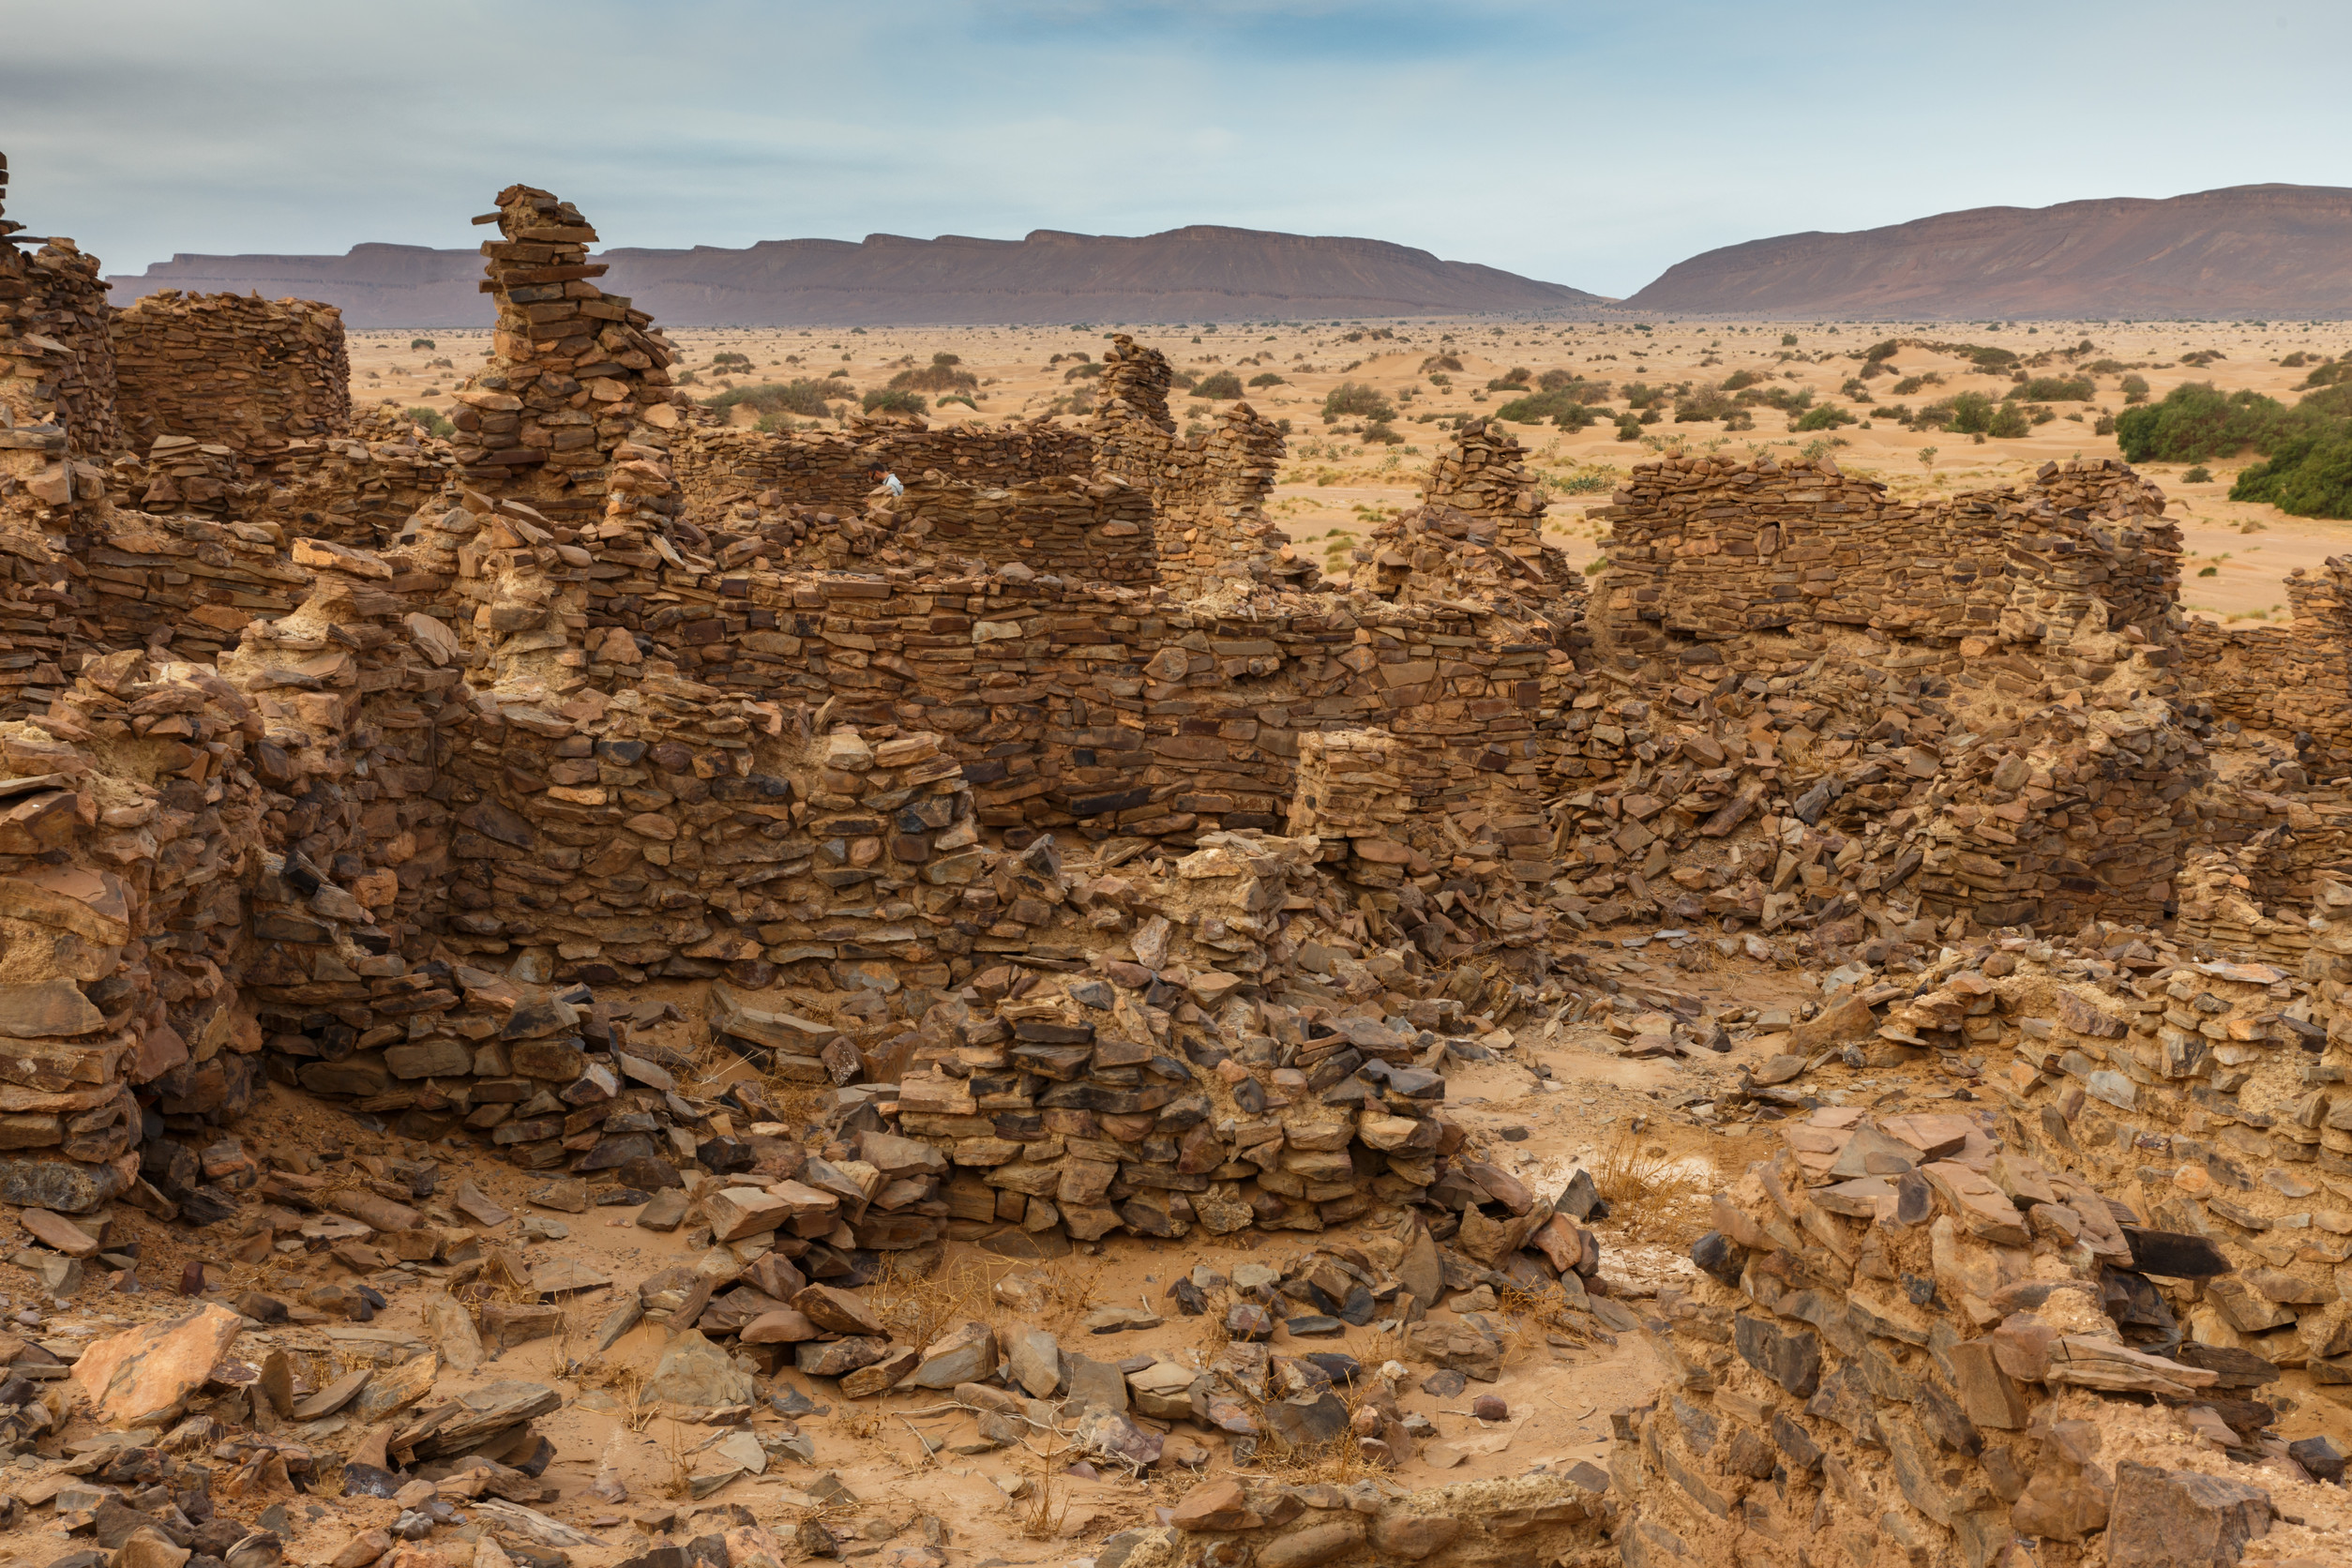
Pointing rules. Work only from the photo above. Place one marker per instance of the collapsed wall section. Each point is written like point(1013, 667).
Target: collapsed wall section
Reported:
point(2075, 1316)
point(2288, 681)
point(246, 373)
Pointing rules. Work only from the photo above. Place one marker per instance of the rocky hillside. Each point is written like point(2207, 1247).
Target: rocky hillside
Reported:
point(2245, 251)
point(1200, 273)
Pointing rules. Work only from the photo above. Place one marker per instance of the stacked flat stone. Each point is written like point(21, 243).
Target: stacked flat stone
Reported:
point(1094, 528)
point(1714, 552)
point(2287, 680)
point(573, 370)
point(56, 378)
point(246, 373)
point(1482, 474)
point(835, 471)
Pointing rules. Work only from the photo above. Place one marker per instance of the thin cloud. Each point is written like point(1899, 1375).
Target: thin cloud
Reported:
point(1583, 143)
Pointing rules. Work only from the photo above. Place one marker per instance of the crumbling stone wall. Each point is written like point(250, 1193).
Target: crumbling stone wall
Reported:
point(1208, 492)
point(1706, 550)
point(719, 467)
point(574, 373)
point(1095, 528)
point(2288, 681)
point(246, 373)
point(57, 375)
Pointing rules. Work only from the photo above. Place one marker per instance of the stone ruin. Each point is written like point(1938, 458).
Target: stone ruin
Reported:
point(1054, 854)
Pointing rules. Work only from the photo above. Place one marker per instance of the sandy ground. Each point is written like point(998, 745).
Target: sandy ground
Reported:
point(1334, 487)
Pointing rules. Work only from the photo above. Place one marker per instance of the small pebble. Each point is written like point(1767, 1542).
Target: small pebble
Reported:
point(1489, 1407)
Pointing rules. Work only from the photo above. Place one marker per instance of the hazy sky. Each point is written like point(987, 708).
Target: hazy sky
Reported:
point(1589, 144)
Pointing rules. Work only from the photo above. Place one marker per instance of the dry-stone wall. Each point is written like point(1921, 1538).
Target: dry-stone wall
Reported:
point(246, 373)
point(2289, 681)
point(1713, 552)
point(719, 467)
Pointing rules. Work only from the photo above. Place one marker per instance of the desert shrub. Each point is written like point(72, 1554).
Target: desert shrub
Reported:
point(1738, 379)
point(2104, 366)
point(2200, 475)
point(431, 423)
point(1788, 340)
point(1224, 384)
point(1084, 371)
point(1877, 352)
point(741, 359)
point(1628, 427)
point(2203, 357)
point(940, 375)
point(1353, 399)
point(963, 397)
point(1563, 408)
point(805, 398)
point(2106, 425)
point(1781, 397)
point(1642, 395)
point(2134, 389)
point(1512, 380)
point(2056, 389)
point(1826, 417)
point(892, 399)
point(1437, 362)
point(2010, 421)
point(1382, 431)
point(2308, 473)
point(2337, 374)
point(1268, 379)
point(2197, 421)
point(1707, 402)
point(422, 344)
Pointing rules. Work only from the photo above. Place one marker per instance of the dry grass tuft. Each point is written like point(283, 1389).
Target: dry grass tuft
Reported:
point(921, 1308)
point(1047, 1509)
point(1643, 1186)
point(1339, 1462)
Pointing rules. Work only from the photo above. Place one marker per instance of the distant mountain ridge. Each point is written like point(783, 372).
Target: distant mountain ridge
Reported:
point(2242, 251)
point(1201, 273)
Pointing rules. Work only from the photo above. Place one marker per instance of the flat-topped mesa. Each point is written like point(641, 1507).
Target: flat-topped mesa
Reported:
point(574, 403)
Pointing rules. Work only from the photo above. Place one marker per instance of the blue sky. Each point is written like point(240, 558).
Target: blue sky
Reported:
point(1589, 144)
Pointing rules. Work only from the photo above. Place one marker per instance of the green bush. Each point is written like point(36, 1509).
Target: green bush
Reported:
point(1963, 413)
point(2336, 374)
point(433, 424)
point(2010, 421)
point(892, 399)
point(1382, 431)
point(1268, 379)
point(1738, 379)
point(1562, 407)
point(2134, 389)
point(805, 398)
point(2200, 475)
point(1513, 380)
point(963, 397)
point(1224, 384)
point(2197, 421)
point(1823, 418)
point(1789, 340)
point(1642, 395)
point(2056, 389)
point(743, 359)
point(940, 375)
point(2309, 474)
point(422, 344)
point(1353, 399)
point(1706, 403)
point(1086, 371)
